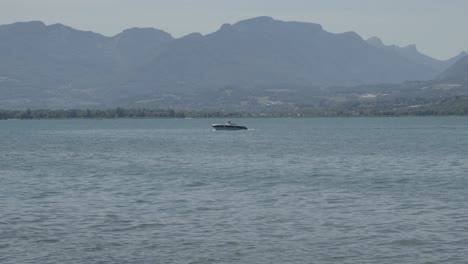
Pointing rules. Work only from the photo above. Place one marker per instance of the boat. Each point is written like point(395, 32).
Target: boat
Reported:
point(228, 126)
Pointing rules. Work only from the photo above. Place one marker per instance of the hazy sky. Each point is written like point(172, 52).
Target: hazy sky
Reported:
point(437, 27)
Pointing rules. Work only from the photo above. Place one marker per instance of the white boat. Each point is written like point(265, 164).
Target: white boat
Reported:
point(228, 126)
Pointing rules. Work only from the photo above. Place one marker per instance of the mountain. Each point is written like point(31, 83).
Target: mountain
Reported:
point(51, 51)
point(457, 72)
point(411, 53)
point(266, 52)
point(57, 66)
point(137, 46)
point(253, 62)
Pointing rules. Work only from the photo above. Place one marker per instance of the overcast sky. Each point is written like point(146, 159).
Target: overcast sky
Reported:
point(437, 27)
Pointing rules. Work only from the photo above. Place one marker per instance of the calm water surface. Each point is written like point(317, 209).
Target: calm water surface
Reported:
point(355, 190)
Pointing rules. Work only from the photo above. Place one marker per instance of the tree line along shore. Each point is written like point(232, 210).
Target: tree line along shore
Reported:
point(455, 107)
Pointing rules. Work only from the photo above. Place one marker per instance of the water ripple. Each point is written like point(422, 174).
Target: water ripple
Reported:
point(369, 190)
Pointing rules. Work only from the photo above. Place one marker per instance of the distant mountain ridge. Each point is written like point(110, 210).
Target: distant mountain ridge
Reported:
point(458, 72)
point(263, 52)
point(55, 66)
point(411, 53)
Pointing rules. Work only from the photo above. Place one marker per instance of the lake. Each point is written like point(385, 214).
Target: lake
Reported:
point(318, 190)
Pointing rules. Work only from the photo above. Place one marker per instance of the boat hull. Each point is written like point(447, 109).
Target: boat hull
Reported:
point(228, 127)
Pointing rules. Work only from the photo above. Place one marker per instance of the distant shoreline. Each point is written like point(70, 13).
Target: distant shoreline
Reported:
point(121, 113)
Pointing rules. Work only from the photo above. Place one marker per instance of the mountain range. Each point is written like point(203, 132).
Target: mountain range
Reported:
point(55, 66)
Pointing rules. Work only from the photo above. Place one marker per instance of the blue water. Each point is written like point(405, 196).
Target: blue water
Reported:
point(340, 190)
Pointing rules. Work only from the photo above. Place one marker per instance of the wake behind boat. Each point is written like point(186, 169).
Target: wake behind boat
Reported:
point(228, 126)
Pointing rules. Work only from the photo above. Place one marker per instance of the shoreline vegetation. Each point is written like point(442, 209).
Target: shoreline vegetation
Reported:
point(143, 113)
point(451, 106)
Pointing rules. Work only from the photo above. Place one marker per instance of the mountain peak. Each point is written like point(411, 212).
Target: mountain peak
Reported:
point(375, 41)
point(253, 24)
point(458, 72)
point(268, 24)
point(257, 20)
point(61, 28)
point(411, 47)
point(140, 32)
point(224, 29)
point(194, 35)
point(30, 25)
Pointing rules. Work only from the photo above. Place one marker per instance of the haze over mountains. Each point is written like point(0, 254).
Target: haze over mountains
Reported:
point(60, 67)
